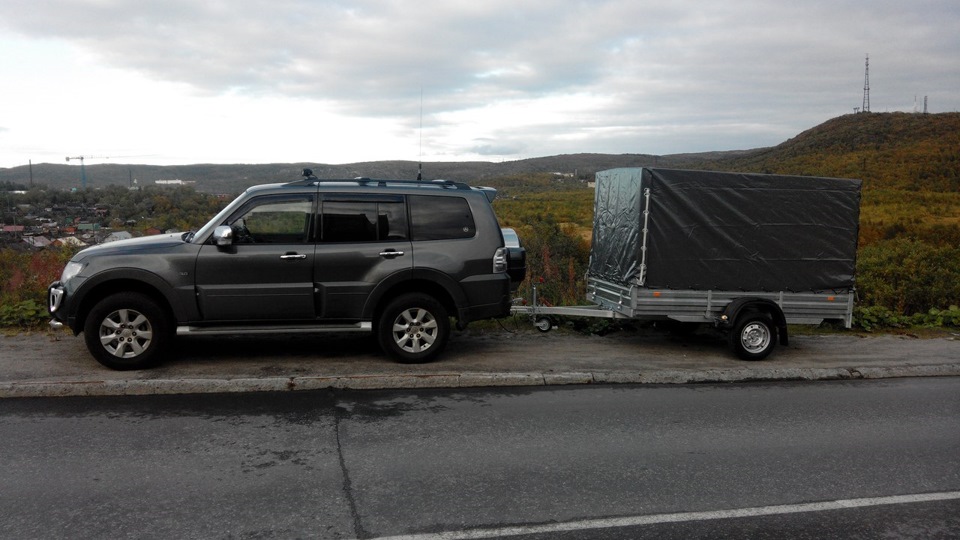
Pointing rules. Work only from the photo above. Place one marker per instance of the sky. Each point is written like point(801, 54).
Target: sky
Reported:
point(169, 82)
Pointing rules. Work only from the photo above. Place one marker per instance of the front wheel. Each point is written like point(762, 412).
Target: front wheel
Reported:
point(753, 336)
point(414, 328)
point(126, 331)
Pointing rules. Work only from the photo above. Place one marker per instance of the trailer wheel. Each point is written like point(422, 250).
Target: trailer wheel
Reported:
point(543, 324)
point(754, 336)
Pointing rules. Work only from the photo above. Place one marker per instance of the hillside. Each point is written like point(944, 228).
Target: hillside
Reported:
point(917, 152)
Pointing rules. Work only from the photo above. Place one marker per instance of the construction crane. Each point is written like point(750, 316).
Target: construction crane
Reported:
point(83, 170)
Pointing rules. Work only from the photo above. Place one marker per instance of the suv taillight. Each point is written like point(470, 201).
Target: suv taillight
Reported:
point(500, 260)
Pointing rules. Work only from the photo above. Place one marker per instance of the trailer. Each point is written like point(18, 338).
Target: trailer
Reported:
point(746, 253)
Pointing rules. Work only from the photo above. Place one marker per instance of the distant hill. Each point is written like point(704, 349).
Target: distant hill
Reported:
point(234, 178)
point(919, 152)
point(916, 152)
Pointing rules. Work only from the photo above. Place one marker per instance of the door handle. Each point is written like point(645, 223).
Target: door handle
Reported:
point(290, 256)
point(390, 253)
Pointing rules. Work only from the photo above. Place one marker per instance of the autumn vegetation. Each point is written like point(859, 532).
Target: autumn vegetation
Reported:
point(908, 270)
point(26, 273)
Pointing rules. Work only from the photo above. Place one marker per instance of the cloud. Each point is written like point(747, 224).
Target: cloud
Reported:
point(496, 147)
point(362, 52)
point(534, 77)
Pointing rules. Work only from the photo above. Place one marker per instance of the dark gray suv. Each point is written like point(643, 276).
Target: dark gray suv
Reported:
point(396, 258)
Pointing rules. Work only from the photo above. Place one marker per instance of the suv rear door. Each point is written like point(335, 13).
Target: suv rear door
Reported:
point(363, 240)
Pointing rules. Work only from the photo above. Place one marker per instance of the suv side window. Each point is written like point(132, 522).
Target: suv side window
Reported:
point(274, 220)
point(363, 221)
point(440, 218)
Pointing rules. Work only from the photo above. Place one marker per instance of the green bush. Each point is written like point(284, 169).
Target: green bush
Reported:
point(25, 314)
point(907, 277)
point(872, 318)
point(941, 317)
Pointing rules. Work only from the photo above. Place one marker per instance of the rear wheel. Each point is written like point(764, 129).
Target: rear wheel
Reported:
point(126, 331)
point(414, 328)
point(754, 336)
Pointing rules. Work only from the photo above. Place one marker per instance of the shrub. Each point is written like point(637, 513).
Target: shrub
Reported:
point(907, 276)
point(872, 318)
point(25, 314)
point(24, 278)
point(556, 262)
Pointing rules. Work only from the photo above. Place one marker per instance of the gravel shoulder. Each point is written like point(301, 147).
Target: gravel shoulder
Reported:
point(56, 363)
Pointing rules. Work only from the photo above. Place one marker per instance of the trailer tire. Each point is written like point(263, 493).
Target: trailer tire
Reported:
point(753, 336)
point(543, 324)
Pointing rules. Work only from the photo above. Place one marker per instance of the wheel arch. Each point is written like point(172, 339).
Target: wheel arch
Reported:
point(745, 305)
point(437, 284)
point(425, 286)
point(95, 292)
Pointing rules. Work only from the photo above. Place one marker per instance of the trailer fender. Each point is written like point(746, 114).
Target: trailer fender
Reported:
point(728, 317)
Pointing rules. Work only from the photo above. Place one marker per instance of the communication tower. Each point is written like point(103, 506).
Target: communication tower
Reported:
point(866, 86)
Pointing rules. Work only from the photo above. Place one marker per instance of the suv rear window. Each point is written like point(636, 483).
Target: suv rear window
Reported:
point(440, 218)
point(363, 221)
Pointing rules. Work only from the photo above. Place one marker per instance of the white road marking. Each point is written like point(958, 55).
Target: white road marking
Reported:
point(680, 517)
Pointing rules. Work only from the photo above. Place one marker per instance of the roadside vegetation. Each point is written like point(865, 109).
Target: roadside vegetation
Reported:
point(908, 264)
point(908, 268)
point(26, 272)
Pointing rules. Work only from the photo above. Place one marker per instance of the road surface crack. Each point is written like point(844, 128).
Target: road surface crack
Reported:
point(358, 530)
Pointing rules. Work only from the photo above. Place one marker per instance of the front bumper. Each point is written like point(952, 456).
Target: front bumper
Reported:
point(55, 295)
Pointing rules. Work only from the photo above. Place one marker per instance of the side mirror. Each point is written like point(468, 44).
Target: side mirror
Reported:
point(223, 236)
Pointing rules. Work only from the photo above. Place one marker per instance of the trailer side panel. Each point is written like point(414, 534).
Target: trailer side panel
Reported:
point(699, 230)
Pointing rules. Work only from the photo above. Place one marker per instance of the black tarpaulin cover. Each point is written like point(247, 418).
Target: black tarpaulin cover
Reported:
point(725, 231)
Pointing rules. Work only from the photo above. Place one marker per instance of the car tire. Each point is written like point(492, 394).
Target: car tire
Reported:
point(753, 336)
point(414, 328)
point(127, 331)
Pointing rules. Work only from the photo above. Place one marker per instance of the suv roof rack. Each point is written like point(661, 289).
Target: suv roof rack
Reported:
point(310, 179)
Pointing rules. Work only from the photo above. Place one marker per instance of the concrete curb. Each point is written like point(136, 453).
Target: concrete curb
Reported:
point(67, 388)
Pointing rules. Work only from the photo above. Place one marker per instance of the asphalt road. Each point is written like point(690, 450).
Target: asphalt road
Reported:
point(804, 459)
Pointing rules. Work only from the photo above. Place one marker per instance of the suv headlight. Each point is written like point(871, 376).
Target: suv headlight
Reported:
point(70, 271)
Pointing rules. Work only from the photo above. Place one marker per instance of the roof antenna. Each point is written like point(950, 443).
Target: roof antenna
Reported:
point(420, 165)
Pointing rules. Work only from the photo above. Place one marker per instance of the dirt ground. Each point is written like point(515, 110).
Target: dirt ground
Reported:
point(513, 348)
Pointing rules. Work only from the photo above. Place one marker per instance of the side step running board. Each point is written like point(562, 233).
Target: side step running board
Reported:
point(365, 326)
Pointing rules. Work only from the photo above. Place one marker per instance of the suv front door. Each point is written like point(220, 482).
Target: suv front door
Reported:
point(364, 240)
point(267, 273)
